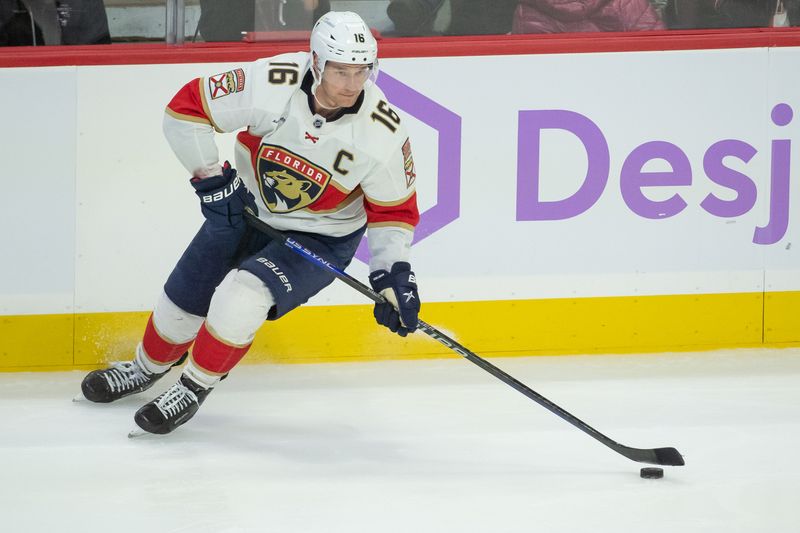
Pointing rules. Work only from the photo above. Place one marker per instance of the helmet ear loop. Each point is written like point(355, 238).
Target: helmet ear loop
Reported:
point(317, 72)
point(373, 75)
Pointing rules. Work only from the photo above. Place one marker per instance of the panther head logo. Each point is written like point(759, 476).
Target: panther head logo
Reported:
point(284, 191)
point(288, 181)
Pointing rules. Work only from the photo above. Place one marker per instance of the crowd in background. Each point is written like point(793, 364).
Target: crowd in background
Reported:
point(35, 22)
point(476, 17)
point(50, 22)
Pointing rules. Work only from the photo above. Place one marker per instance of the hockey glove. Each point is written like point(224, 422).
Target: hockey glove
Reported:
point(223, 198)
point(399, 287)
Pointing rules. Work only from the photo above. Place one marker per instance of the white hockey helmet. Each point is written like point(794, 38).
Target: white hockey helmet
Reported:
point(343, 37)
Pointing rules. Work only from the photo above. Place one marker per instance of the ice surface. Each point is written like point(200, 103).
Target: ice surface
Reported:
point(421, 446)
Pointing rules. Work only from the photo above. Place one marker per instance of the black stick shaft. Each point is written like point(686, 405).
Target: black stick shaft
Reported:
point(660, 456)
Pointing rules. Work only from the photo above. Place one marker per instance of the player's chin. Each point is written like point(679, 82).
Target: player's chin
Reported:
point(347, 101)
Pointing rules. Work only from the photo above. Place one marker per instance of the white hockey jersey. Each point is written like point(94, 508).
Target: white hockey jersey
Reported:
point(308, 174)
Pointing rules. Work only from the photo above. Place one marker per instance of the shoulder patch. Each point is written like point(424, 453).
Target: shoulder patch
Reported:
point(226, 83)
point(408, 163)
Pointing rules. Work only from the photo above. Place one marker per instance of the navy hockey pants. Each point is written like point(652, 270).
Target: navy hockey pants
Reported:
point(291, 279)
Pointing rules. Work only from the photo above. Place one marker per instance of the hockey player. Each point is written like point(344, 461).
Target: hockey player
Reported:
point(322, 157)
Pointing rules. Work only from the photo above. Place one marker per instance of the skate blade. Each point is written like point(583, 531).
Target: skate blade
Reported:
point(79, 398)
point(138, 432)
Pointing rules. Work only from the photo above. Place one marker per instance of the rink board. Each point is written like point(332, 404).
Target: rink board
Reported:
point(501, 328)
point(554, 220)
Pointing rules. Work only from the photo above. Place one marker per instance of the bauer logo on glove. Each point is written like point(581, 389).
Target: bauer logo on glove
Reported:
point(223, 198)
point(224, 193)
point(399, 287)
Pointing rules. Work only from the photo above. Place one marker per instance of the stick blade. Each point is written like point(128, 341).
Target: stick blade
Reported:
point(669, 457)
point(651, 456)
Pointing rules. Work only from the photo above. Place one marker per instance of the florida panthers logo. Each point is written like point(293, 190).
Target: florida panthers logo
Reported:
point(287, 181)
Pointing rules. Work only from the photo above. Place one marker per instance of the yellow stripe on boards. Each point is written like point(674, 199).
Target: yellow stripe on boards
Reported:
point(104, 337)
point(782, 317)
point(30, 341)
point(493, 328)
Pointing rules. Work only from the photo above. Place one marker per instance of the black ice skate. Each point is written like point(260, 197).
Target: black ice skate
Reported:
point(120, 380)
point(173, 408)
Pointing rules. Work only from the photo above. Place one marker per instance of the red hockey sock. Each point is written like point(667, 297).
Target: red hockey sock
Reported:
point(160, 350)
point(215, 355)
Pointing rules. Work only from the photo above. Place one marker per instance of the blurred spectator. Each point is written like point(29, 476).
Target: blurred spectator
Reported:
point(226, 21)
point(688, 14)
point(786, 13)
point(38, 22)
point(481, 17)
point(563, 16)
point(16, 25)
point(793, 11)
point(659, 6)
point(413, 17)
point(82, 21)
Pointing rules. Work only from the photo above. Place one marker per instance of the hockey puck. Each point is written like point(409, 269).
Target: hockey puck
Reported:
point(652, 473)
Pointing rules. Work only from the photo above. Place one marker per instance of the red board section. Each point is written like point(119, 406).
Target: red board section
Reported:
point(138, 54)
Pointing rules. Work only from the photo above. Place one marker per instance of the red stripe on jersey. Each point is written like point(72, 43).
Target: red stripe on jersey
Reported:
point(405, 213)
point(214, 355)
point(189, 101)
point(159, 349)
point(251, 142)
point(330, 198)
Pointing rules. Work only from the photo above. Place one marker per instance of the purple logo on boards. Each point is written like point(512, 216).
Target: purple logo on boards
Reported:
point(634, 179)
point(448, 182)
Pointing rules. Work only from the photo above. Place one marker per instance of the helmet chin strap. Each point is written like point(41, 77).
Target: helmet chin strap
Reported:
point(314, 86)
point(323, 106)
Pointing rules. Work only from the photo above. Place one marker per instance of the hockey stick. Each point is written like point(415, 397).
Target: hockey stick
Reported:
point(656, 456)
